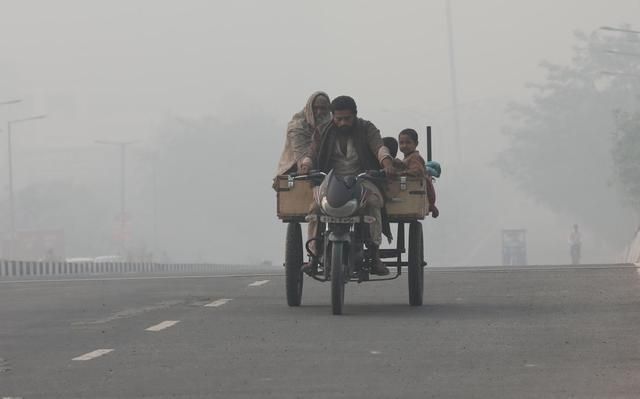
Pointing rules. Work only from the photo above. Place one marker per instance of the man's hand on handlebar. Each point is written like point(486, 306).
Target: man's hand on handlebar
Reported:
point(304, 169)
point(304, 166)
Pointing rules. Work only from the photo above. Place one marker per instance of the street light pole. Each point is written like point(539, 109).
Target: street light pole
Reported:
point(9, 102)
point(123, 167)
point(155, 208)
point(12, 216)
point(454, 83)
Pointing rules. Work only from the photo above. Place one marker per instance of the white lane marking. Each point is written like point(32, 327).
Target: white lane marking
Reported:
point(530, 365)
point(71, 280)
point(217, 303)
point(93, 355)
point(163, 325)
point(375, 352)
point(258, 283)
point(130, 313)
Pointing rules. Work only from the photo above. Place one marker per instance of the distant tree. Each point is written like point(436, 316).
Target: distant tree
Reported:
point(561, 143)
point(79, 210)
point(626, 156)
point(214, 187)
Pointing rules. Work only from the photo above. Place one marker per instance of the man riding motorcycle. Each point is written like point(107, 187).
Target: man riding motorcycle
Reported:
point(349, 145)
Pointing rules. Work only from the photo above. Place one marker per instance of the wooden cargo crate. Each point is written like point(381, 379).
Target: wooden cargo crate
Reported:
point(294, 198)
point(407, 199)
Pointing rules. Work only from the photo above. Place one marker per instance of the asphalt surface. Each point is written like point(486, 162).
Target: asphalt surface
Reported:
point(483, 333)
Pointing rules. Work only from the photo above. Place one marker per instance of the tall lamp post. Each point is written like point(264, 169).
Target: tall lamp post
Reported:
point(12, 216)
point(454, 84)
point(123, 147)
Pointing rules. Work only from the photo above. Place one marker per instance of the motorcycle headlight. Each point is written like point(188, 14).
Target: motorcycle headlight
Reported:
point(345, 210)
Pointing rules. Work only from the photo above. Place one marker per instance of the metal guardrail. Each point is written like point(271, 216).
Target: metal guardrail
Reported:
point(14, 268)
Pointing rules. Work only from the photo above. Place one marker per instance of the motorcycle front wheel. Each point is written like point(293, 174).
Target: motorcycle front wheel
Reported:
point(337, 277)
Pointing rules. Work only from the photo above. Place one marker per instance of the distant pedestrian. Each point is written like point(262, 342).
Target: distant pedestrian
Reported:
point(575, 245)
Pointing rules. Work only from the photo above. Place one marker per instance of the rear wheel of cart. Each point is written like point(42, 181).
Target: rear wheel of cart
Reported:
point(293, 264)
point(416, 262)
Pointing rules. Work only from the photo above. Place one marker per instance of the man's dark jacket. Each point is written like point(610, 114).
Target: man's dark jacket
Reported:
point(367, 142)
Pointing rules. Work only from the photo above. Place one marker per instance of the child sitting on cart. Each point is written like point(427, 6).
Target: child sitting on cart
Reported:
point(414, 165)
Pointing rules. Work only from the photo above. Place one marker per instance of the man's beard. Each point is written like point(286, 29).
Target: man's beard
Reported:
point(345, 130)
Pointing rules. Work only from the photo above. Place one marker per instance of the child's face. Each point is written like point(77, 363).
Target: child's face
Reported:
point(406, 145)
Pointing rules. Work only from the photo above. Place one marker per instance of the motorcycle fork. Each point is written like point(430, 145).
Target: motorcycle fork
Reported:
point(337, 232)
point(358, 254)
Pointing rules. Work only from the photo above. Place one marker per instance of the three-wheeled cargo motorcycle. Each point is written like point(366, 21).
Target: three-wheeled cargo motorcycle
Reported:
point(337, 254)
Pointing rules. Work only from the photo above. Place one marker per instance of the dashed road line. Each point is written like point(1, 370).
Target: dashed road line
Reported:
point(92, 355)
point(258, 283)
point(217, 303)
point(130, 313)
point(4, 366)
point(163, 325)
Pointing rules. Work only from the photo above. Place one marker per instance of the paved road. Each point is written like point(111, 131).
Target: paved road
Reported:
point(483, 333)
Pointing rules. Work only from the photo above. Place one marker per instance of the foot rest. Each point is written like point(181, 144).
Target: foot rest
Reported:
point(389, 253)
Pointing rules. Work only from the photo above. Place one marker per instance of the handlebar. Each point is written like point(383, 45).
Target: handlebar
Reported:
point(314, 174)
point(373, 174)
point(311, 175)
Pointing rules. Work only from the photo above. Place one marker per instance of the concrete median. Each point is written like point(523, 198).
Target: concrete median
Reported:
point(34, 269)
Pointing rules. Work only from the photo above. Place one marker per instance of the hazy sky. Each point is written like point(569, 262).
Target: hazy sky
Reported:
point(121, 69)
point(117, 68)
